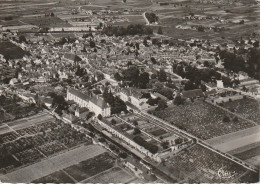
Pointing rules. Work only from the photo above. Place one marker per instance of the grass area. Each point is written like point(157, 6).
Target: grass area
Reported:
point(201, 119)
point(11, 51)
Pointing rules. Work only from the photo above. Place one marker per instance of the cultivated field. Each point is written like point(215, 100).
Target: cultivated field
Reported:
point(52, 164)
point(249, 108)
point(200, 164)
point(34, 138)
point(91, 167)
point(202, 119)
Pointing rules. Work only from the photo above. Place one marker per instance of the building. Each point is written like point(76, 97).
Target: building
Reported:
point(81, 112)
point(98, 105)
point(134, 97)
point(80, 98)
point(94, 103)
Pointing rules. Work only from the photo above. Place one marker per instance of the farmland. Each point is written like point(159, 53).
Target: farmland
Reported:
point(191, 161)
point(52, 164)
point(247, 107)
point(28, 143)
point(202, 119)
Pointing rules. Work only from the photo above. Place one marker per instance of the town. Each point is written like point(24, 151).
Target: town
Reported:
point(103, 91)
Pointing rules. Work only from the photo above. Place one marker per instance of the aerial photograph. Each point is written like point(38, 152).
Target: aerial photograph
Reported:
point(129, 91)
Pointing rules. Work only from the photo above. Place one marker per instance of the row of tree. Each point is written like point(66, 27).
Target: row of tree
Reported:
point(132, 29)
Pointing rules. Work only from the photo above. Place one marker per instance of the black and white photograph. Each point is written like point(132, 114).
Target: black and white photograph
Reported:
point(129, 91)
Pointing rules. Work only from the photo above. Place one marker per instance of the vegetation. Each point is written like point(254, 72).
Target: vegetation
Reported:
point(152, 148)
point(133, 29)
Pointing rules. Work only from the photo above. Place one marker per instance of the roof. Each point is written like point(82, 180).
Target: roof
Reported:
point(48, 100)
point(72, 57)
point(192, 93)
point(99, 101)
point(81, 110)
point(78, 93)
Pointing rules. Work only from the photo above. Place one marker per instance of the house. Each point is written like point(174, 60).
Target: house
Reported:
point(71, 58)
point(47, 102)
point(192, 94)
point(134, 97)
point(81, 112)
point(69, 118)
point(13, 81)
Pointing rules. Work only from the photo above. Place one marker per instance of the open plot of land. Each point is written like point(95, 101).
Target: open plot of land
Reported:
point(202, 119)
point(249, 108)
point(114, 175)
point(50, 165)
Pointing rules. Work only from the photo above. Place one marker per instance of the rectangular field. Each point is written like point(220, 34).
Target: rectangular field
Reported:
point(114, 175)
point(91, 167)
point(202, 119)
point(53, 164)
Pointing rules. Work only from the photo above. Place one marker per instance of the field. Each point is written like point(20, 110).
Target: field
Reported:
point(114, 175)
point(202, 165)
point(91, 167)
point(32, 139)
point(249, 108)
point(53, 164)
point(11, 51)
point(118, 4)
point(56, 177)
point(237, 141)
point(201, 119)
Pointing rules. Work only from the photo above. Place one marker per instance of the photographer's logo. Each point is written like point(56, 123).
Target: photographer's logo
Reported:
point(225, 174)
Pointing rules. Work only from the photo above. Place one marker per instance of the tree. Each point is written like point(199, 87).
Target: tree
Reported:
point(136, 131)
point(135, 123)
point(92, 44)
point(122, 155)
point(161, 105)
point(162, 77)
point(165, 144)
point(178, 100)
point(117, 76)
point(160, 30)
point(235, 119)
point(226, 119)
point(113, 122)
point(153, 60)
point(143, 80)
point(100, 117)
point(22, 39)
point(256, 44)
